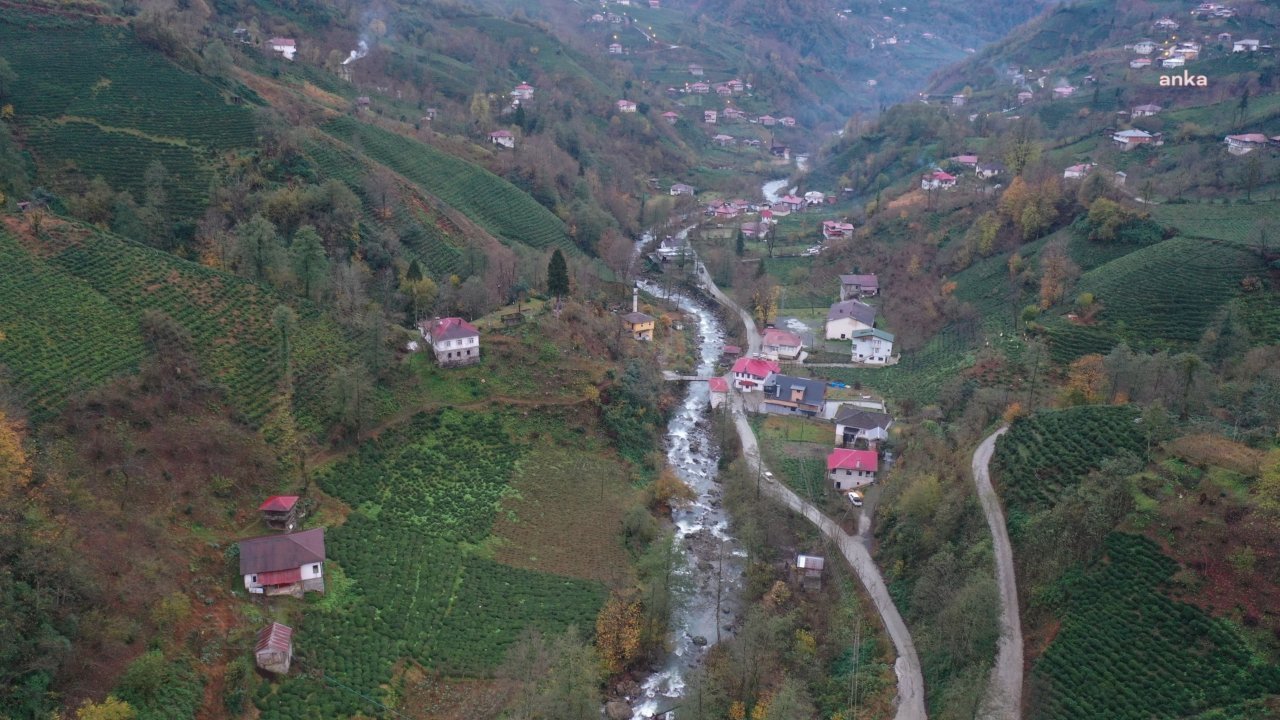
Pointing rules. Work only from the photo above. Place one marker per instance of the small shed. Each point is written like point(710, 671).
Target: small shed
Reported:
point(809, 570)
point(280, 511)
point(274, 650)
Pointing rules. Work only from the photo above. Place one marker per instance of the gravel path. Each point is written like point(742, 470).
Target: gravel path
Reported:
point(1003, 700)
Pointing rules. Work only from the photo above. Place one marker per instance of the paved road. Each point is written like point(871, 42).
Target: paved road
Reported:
point(855, 549)
point(1003, 700)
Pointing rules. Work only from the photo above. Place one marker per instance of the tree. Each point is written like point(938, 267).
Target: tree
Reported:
point(740, 243)
point(557, 275)
point(15, 472)
point(1250, 175)
point(1087, 378)
point(215, 60)
point(350, 397)
point(259, 248)
point(789, 702)
point(309, 262)
point(619, 633)
point(1058, 272)
point(422, 295)
point(1021, 146)
point(113, 708)
point(7, 78)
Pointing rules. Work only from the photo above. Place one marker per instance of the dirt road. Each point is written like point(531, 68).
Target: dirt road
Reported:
point(1003, 700)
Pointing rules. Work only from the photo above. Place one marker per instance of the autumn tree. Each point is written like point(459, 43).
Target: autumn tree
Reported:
point(1056, 274)
point(112, 708)
point(1087, 379)
point(15, 472)
point(1022, 145)
point(619, 633)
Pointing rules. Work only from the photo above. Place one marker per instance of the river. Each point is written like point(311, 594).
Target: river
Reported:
point(712, 559)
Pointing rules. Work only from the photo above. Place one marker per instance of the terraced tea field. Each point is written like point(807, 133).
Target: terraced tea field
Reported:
point(1233, 223)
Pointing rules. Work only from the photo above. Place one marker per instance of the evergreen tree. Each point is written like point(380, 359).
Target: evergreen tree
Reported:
point(310, 264)
point(557, 275)
point(741, 245)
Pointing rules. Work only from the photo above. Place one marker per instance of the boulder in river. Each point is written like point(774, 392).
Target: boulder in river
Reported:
point(699, 640)
point(617, 710)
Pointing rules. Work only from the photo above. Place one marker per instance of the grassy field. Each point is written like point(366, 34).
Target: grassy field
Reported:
point(1231, 223)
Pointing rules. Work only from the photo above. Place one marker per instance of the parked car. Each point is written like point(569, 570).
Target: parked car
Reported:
point(855, 498)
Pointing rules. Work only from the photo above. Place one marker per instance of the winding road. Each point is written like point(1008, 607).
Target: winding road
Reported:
point(1003, 699)
point(911, 705)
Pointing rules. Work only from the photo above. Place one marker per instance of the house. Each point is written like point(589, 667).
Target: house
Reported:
point(503, 138)
point(1188, 50)
point(733, 113)
point(1167, 24)
point(287, 47)
point(718, 389)
point(670, 117)
point(722, 140)
point(855, 423)
point(523, 91)
point(1140, 63)
point(454, 341)
point(786, 395)
point(1145, 110)
point(792, 202)
point(1064, 91)
point(750, 373)
point(655, 4)
point(615, 49)
point(988, 170)
point(725, 211)
point(781, 345)
point(966, 160)
point(836, 230)
point(958, 100)
point(1024, 97)
point(1120, 178)
point(787, 121)
point(847, 316)
point(856, 286)
point(709, 117)
point(280, 512)
point(813, 198)
point(872, 347)
point(1245, 45)
point(1075, 172)
point(695, 70)
point(362, 102)
point(700, 88)
point(1175, 61)
point(754, 230)
point(1246, 143)
point(767, 120)
point(637, 323)
point(781, 151)
point(808, 571)
point(682, 189)
point(730, 351)
point(1130, 139)
point(736, 85)
point(1144, 47)
point(1225, 37)
point(849, 469)
point(274, 650)
point(937, 180)
point(290, 564)
point(625, 106)
point(780, 209)
point(723, 90)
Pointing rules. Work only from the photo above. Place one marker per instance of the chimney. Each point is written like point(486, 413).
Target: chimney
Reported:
point(635, 299)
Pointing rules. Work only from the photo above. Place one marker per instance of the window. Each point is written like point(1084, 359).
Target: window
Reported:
point(253, 578)
point(315, 569)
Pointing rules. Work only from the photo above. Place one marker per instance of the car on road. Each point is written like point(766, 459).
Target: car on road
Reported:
point(855, 498)
point(768, 475)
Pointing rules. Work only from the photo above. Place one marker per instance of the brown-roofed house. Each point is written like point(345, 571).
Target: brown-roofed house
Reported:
point(274, 650)
point(290, 564)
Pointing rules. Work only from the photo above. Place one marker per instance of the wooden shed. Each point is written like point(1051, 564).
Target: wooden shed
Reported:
point(808, 570)
point(280, 511)
point(274, 651)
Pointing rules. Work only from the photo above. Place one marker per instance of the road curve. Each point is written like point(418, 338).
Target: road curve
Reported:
point(1003, 699)
point(911, 705)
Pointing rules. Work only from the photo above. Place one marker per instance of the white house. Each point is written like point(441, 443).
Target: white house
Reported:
point(1064, 91)
point(937, 180)
point(1167, 24)
point(781, 345)
point(750, 373)
point(681, 189)
point(615, 49)
point(503, 138)
point(290, 564)
point(1144, 47)
point(1139, 63)
point(1076, 172)
point(626, 106)
point(872, 346)
point(523, 91)
point(454, 341)
point(1245, 45)
point(1246, 143)
point(836, 230)
point(855, 423)
point(848, 316)
point(287, 47)
point(709, 117)
point(1145, 110)
point(849, 469)
point(1175, 61)
point(813, 197)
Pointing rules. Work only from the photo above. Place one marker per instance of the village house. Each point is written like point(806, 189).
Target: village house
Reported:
point(767, 120)
point(672, 247)
point(637, 323)
point(274, 649)
point(937, 180)
point(813, 198)
point(695, 70)
point(453, 341)
point(725, 211)
point(781, 345)
point(503, 138)
point(709, 117)
point(287, 47)
point(280, 512)
point(754, 230)
point(1139, 63)
point(1175, 61)
point(1245, 45)
point(718, 393)
point(793, 203)
point(523, 91)
point(1144, 47)
point(958, 100)
point(847, 316)
point(782, 151)
point(682, 189)
point(730, 352)
point(1064, 91)
point(615, 49)
point(290, 564)
point(1167, 24)
point(1225, 37)
point(1076, 172)
point(733, 113)
point(1145, 110)
point(670, 117)
point(362, 102)
point(859, 286)
point(872, 347)
point(723, 90)
point(626, 106)
point(787, 121)
point(749, 374)
point(1246, 143)
point(968, 160)
point(1024, 97)
point(655, 4)
point(1120, 178)
point(736, 85)
point(722, 140)
point(988, 170)
point(857, 426)
point(1130, 139)
point(699, 88)
point(808, 571)
point(849, 469)
point(786, 395)
point(1187, 50)
point(780, 209)
point(836, 230)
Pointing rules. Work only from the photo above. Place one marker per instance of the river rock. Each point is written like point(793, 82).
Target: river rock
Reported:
point(699, 640)
point(617, 710)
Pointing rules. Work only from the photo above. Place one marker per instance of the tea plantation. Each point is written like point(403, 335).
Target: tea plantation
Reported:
point(1127, 652)
point(1048, 452)
point(424, 494)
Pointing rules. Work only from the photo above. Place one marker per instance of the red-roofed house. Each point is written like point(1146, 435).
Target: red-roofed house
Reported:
point(453, 340)
point(285, 46)
point(503, 138)
point(795, 204)
point(850, 469)
point(523, 91)
point(767, 120)
point(290, 564)
point(671, 117)
point(280, 511)
point(836, 230)
point(969, 160)
point(719, 388)
point(780, 344)
point(626, 106)
point(937, 179)
point(749, 373)
point(1246, 143)
point(274, 650)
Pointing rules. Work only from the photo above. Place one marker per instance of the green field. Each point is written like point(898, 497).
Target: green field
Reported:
point(1232, 223)
point(1044, 454)
point(70, 312)
point(424, 495)
point(1127, 652)
point(921, 373)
